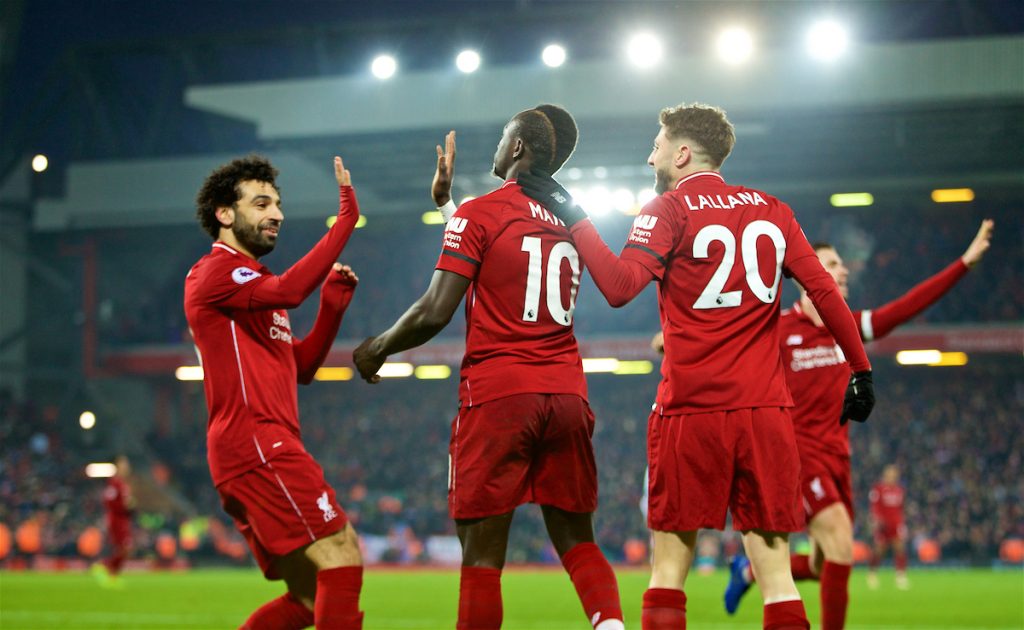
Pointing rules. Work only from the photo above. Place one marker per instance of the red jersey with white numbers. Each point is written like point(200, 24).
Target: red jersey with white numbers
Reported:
point(249, 373)
point(719, 252)
point(887, 503)
point(519, 307)
point(116, 496)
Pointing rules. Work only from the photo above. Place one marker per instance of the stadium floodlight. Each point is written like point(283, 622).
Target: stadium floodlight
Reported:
point(39, 163)
point(384, 66)
point(432, 372)
point(574, 173)
point(189, 373)
point(934, 358)
point(952, 195)
point(600, 365)
point(624, 201)
point(87, 420)
point(468, 61)
point(735, 45)
point(644, 50)
point(553, 55)
point(634, 367)
point(644, 196)
point(432, 217)
point(827, 40)
point(600, 172)
point(395, 370)
point(848, 200)
point(100, 470)
point(333, 374)
point(598, 201)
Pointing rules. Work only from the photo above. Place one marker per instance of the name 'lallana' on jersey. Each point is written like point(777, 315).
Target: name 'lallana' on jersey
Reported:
point(725, 202)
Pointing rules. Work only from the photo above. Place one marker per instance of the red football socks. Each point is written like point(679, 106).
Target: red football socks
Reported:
point(800, 565)
point(663, 609)
point(337, 598)
point(479, 599)
point(594, 581)
point(900, 560)
point(786, 616)
point(283, 613)
point(834, 595)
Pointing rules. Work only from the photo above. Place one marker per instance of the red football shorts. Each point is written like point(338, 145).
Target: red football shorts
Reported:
point(886, 532)
point(744, 460)
point(526, 448)
point(824, 481)
point(281, 506)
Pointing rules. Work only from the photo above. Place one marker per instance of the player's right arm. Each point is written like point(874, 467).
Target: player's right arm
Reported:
point(253, 291)
point(879, 322)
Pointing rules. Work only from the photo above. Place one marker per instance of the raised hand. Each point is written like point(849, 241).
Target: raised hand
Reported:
point(340, 285)
point(341, 173)
point(441, 187)
point(982, 241)
point(368, 361)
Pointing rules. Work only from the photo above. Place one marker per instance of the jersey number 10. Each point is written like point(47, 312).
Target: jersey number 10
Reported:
point(562, 250)
point(713, 295)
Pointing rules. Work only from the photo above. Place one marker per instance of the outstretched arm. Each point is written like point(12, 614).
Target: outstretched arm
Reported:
point(424, 319)
point(335, 296)
point(289, 289)
point(619, 280)
point(879, 322)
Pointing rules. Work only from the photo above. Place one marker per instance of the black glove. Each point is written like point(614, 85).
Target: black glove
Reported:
point(543, 188)
point(859, 399)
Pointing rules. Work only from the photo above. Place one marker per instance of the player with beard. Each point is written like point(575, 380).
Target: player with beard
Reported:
point(236, 308)
point(523, 430)
point(720, 436)
point(816, 375)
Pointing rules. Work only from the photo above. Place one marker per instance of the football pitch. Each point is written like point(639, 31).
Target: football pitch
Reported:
point(535, 599)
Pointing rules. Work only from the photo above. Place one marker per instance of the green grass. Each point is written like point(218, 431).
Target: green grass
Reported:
point(534, 600)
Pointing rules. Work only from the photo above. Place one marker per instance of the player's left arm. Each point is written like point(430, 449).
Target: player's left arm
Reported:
point(335, 296)
point(424, 319)
point(879, 322)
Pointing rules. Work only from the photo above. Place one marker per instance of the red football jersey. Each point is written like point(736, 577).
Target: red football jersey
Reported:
point(817, 374)
point(249, 373)
point(817, 371)
point(719, 252)
point(887, 503)
point(116, 496)
point(519, 307)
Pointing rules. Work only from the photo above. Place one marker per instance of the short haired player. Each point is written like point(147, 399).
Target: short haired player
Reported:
point(720, 436)
point(523, 429)
point(252, 362)
point(816, 374)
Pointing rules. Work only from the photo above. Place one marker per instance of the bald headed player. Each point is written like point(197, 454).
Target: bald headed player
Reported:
point(524, 426)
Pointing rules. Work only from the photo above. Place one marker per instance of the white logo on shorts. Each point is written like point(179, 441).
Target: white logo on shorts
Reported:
point(819, 492)
point(325, 506)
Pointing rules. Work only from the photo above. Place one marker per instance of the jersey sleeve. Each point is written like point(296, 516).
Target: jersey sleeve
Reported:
point(879, 322)
point(467, 237)
point(654, 234)
point(229, 282)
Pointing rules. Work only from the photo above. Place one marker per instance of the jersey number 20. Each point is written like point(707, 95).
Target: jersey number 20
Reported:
point(562, 250)
point(713, 295)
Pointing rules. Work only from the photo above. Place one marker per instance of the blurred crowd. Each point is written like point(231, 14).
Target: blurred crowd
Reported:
point(954, 432)
point(140, 306)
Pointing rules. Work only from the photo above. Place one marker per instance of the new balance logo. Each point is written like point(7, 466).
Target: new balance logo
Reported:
point(324, 503)
point(794, 340)
point(559, 197)
point(457, 224)
point(645, 222)
point(816, 488)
